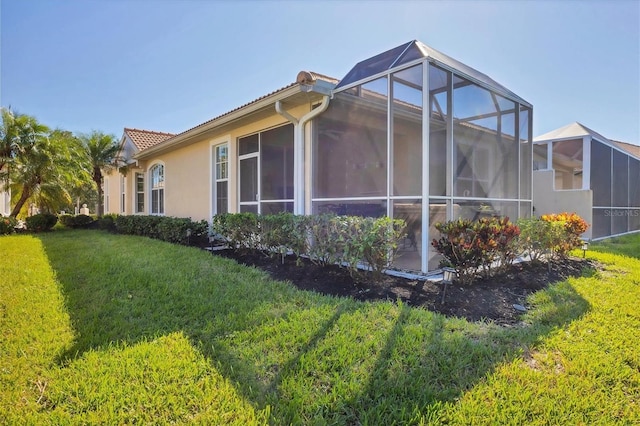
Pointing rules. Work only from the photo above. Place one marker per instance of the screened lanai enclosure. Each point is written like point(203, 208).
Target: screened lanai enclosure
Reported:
point(414, 134)
point(578, 169)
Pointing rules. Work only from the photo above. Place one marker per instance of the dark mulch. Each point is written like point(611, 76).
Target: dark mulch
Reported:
point(491, 299)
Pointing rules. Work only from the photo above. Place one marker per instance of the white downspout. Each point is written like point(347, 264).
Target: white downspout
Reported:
point(298, 150)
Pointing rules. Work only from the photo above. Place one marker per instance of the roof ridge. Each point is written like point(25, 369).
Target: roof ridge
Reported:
point(324, 76)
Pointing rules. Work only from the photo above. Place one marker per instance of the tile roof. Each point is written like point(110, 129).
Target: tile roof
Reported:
point(630, 148)
point(300, 80)
point(144, 139)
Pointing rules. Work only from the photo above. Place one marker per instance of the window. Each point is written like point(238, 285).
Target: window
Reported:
point(157, 189)
point(123, 185)
point(105, 189)
point(139, 193)
point(221, 194)
point(266, 171)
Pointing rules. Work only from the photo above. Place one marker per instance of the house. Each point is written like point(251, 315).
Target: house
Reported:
point(124, 189)
point(410, 133)
point(578, 170)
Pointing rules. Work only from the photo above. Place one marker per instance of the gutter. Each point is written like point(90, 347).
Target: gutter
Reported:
point(225, 119)
point(298, 149)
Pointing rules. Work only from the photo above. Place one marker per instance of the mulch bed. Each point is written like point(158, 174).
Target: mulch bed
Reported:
point(490, 299)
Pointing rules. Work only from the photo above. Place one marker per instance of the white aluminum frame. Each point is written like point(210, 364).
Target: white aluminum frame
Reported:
point(425, 197)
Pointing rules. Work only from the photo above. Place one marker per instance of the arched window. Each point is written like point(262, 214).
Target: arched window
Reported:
point(157, 189)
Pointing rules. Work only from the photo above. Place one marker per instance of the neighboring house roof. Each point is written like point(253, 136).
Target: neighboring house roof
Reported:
point(633, 149)
point(570, 131)
point(306, 82)
point(577, 130)
point(144, 139)
point(413, 50)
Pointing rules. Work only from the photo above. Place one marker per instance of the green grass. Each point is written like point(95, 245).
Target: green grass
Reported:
point(107, 329)
point(628, 245)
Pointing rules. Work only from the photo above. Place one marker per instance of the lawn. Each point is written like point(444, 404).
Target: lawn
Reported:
point(99, 328)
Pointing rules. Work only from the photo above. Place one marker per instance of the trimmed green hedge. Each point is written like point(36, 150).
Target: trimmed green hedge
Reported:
point(165, 228)
point(41, 222)
point(326, 239)
point(80, 221)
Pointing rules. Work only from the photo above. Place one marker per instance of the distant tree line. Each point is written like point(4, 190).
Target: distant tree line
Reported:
point(52, 169)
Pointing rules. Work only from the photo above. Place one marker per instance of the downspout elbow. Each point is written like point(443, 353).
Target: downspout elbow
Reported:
point(285, 114)
point(317, 111)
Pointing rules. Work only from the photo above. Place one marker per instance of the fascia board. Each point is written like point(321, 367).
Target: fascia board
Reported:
point(223, 120)
point(566, 138)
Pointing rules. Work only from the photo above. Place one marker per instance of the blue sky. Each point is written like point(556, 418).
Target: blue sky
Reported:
point(169, 65)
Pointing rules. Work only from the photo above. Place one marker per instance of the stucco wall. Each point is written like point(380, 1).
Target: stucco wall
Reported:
point(546, 200)
point(189, 170)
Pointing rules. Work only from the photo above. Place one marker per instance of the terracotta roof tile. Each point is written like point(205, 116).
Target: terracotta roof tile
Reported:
point(315, 75)
point(144, 139)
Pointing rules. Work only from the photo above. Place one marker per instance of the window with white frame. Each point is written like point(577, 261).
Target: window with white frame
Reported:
point(123, 185)
point(221, 189)
point(265, 165)
point(139, 193)
point(105, 190)
point(157, 189)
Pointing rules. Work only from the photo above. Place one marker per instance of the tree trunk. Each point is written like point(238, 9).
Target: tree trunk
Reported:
point(97, 178)
point(100, 203)
point(23, 199)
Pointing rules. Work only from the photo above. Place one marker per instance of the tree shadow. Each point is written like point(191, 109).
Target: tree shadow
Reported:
point(423, 360)
point(457, 359)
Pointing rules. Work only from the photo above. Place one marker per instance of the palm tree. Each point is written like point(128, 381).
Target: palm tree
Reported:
point(46, 171)
point(18, 133)
point(102, 153)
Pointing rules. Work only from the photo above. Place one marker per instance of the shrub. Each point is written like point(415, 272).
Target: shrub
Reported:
point(41, 222)
point(471, 247)
point(145, 226)
point(83, 221)
point(539, 237)
point(379, 241)
point(181, 230)
point(165, 228)
point(457, 244)
point(573, 225)
point(498, 241)
point(326, 245)
point(107, 222)
point(327, 239)
point(240, 230)
point(276, 232)
point(66, 220)
point(7, 225)
point(79, 221)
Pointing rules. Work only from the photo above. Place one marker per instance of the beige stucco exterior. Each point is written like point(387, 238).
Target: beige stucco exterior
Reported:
point(548, 200)
point(189, 169)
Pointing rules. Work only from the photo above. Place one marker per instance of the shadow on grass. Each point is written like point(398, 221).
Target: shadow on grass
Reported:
point(312, 358)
